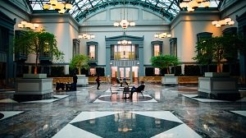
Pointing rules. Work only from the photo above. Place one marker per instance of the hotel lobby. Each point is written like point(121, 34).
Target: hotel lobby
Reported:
point(119, 38)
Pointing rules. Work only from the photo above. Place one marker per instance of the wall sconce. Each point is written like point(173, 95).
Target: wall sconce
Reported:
point(25, 24)
point(191, 5)
point(162, 35)
point(86, 36)
point(226, 21)
point(55, 5)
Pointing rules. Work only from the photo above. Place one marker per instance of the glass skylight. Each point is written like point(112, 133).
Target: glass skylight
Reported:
point(82, 8)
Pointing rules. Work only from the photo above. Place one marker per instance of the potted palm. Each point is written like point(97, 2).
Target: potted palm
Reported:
point(166, 62)
point(79, 62)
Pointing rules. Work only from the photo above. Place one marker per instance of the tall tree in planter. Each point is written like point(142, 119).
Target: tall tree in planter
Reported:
point(37, 42)
point(164, 61)
point(79, 62)
point(217, 49)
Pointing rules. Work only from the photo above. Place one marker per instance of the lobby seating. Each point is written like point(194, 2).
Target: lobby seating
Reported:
point(141, 92)
point(62, 80)
point(182, 80)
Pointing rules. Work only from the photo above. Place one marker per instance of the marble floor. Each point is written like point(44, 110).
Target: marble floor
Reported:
point(163, 112)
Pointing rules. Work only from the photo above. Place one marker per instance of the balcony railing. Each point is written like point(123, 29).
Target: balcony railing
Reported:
point(124, 63)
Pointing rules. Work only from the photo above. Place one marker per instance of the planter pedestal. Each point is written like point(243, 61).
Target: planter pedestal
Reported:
point(82, 81)
point(169, 79)
point(33, 89)
point(218, 86)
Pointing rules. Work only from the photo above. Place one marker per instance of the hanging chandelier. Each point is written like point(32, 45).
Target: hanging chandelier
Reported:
point(28, 25)
point(191, 5)
point(162, 35)
point(226, 21)
point(124, 23)
point(61, 7)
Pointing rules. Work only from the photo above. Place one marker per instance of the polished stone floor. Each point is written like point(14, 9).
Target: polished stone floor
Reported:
point(163, 112)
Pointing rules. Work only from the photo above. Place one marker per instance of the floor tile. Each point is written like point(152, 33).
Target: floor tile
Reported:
point(127, 124)
point(7, 114)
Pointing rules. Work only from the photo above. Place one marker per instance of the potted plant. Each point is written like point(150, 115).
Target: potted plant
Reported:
point(37, 43)
point(79, 62)
point(218, 49)
point(165, 62)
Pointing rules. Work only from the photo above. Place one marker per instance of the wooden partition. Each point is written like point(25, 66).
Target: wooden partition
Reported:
point(146, 79)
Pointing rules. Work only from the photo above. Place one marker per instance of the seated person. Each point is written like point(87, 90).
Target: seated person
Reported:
point(124, 84)
point(59, 85)
point(138, 89)
point(118, 81)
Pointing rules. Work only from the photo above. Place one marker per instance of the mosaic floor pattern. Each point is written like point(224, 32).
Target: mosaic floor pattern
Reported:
point(155, 124)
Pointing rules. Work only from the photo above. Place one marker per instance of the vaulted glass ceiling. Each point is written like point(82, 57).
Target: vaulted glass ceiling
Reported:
point(83, 8)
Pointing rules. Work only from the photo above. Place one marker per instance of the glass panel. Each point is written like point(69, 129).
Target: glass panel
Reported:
point(92, 71)
point(92, 51)
point(121, 72)
point(157, 71)
point(135, 71)
point(156, 50)
point(127, 73)
point(114, 71)
point(81, 7)
point(123, 52)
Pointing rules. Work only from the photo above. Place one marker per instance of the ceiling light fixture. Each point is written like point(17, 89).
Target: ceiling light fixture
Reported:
point(226, 21)
point(87, 36)
point(124, 42)
point(191, 5)
point(61, 7)
point(124, 23)
point(27, 25)
point(162, 35)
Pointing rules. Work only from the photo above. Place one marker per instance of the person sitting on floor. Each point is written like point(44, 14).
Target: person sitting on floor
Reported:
point(138, 89)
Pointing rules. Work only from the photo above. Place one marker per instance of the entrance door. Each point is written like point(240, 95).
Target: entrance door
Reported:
point(125, 72)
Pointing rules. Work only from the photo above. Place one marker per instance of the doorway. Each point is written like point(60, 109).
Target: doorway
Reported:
point(125, 73)
point(130, 73)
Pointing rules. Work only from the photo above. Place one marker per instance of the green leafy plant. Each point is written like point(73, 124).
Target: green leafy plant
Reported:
point(37, 42)
point(79, 62)
point(164, 61)
point(218, 49)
